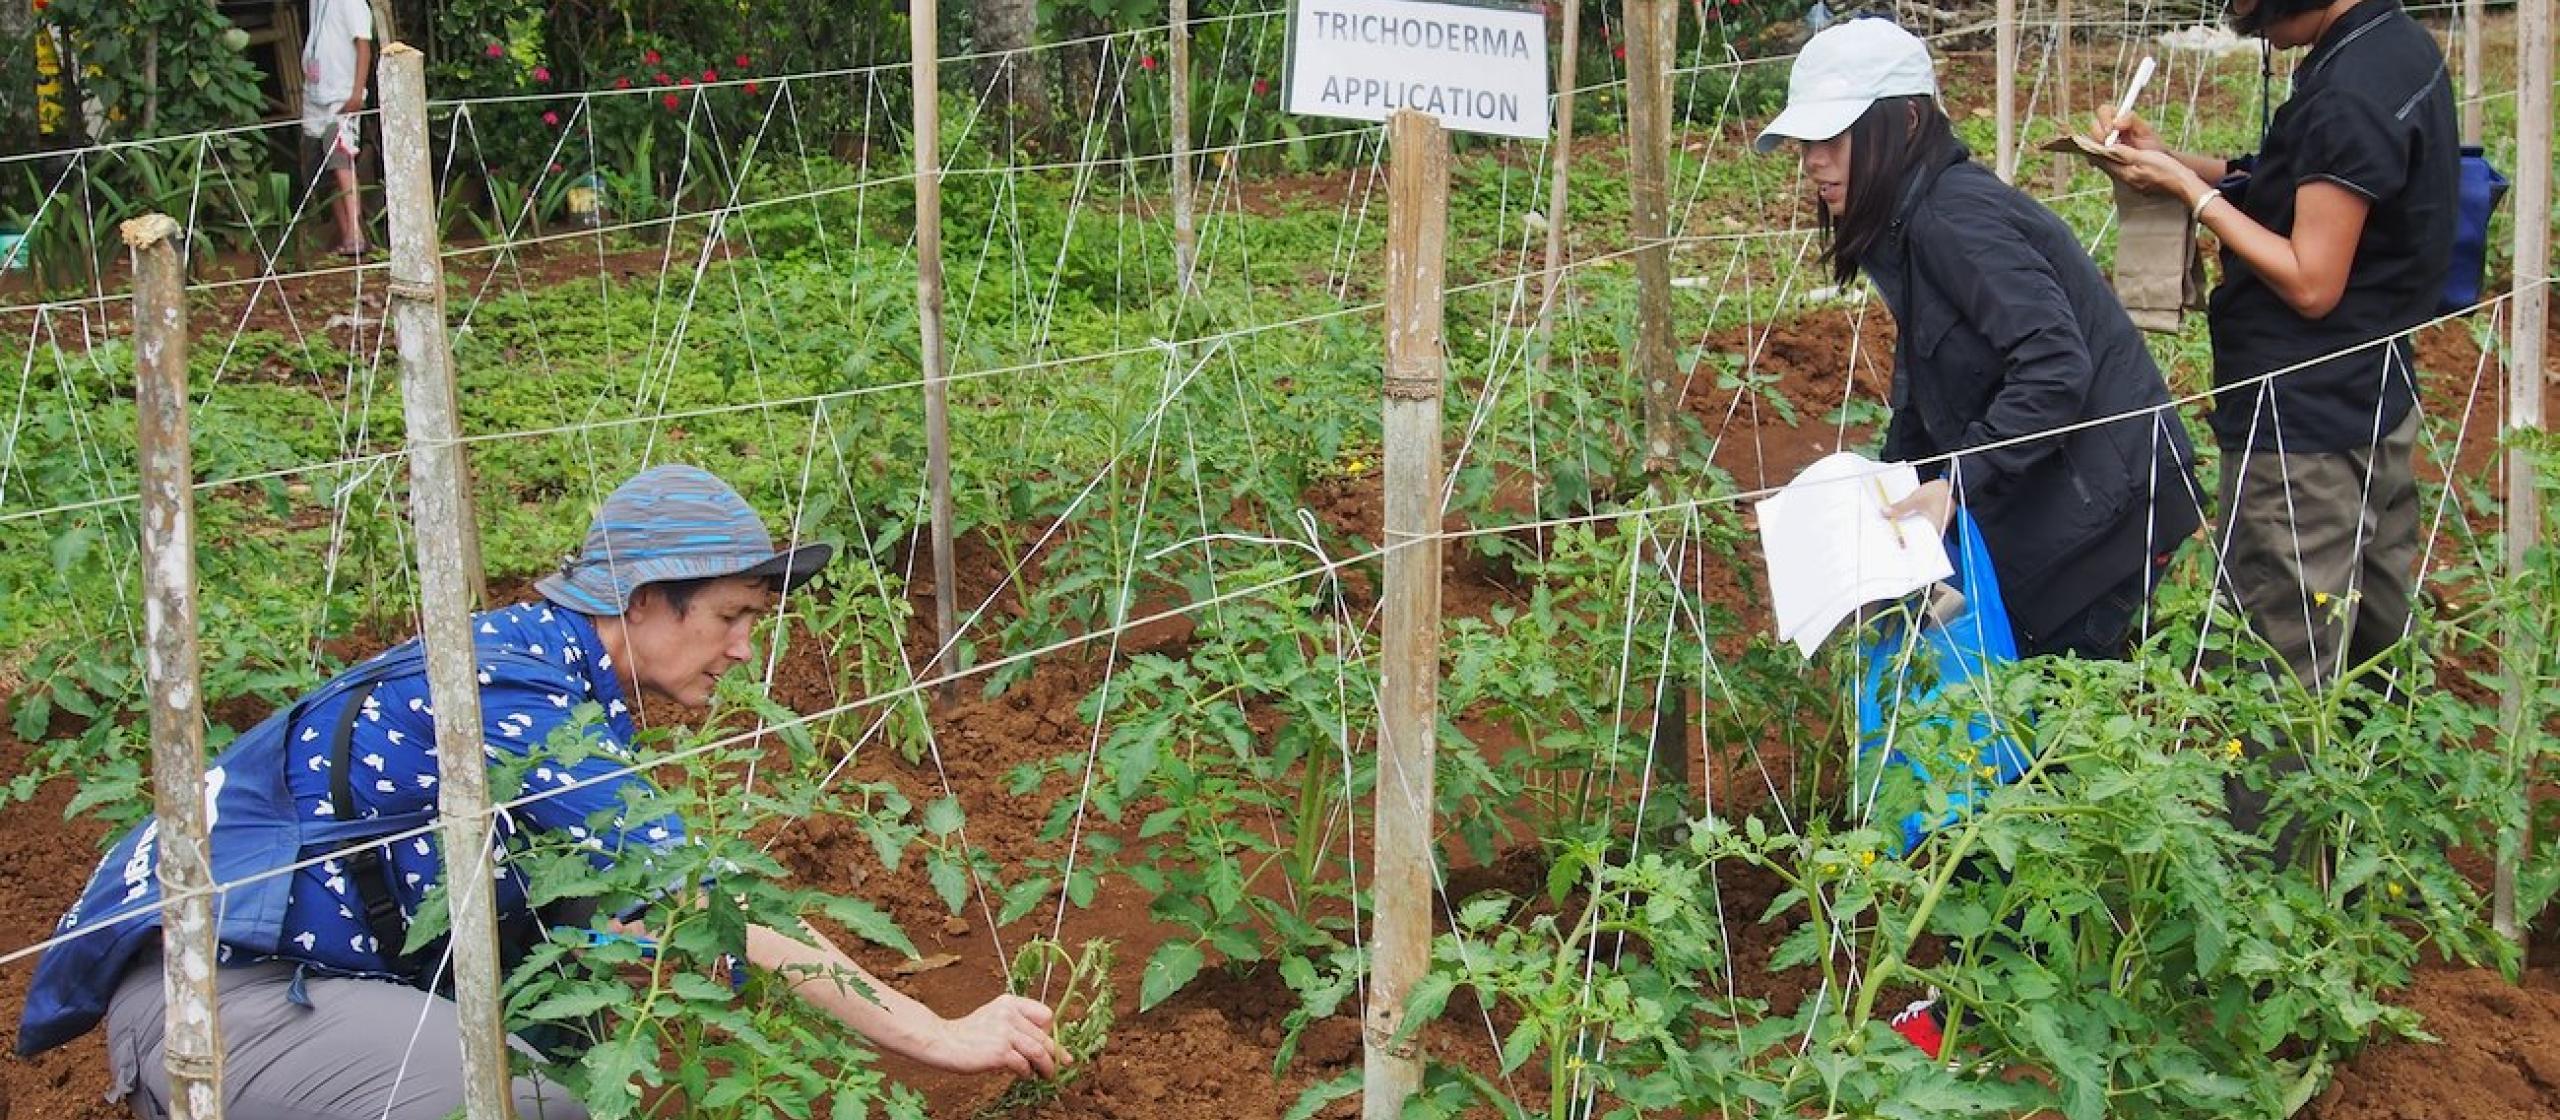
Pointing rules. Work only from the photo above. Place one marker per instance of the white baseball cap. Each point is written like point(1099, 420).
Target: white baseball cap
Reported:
point(1843, 69)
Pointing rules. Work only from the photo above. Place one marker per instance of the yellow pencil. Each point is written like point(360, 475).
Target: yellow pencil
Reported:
point(1883, 503)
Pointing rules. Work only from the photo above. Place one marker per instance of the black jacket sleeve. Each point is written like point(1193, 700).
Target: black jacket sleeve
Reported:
point(2006, 290)
point(1903, 438)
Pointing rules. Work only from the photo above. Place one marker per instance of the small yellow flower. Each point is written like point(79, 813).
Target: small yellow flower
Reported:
point(2231, 748)
point(2393, 889)
point(2320, 598)
point(1356, 466)
point(1868, 859)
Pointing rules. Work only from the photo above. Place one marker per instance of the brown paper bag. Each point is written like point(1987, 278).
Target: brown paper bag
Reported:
point(2159, 274)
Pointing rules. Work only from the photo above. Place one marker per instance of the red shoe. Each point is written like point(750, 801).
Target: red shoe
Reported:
point(1924, 1025)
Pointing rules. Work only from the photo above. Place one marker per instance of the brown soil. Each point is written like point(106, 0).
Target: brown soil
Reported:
point(2500, 1058)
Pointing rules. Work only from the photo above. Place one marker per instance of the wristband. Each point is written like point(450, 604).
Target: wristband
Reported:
point(2204, 200)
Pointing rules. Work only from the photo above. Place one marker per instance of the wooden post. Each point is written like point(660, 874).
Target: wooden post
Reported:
point(2005, 60)
point(1409, 668)
point(2526, 377)
point(2475, 67)
point(1561, 162)
point(188, 925)
point(926, 63)
point(420, 202)
point(1651, 36)
point(1186, 244)
point(439, 503)
point(1649, 44)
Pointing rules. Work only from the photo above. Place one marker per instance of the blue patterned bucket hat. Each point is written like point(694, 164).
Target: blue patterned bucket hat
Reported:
point(673, 523)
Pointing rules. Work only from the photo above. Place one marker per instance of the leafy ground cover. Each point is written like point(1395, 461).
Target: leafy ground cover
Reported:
point(1194, 791)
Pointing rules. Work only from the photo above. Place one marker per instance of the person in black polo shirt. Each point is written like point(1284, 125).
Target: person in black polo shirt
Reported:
point(2335, 241)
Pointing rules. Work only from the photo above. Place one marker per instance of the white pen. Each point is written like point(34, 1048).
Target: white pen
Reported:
point(2141, 78)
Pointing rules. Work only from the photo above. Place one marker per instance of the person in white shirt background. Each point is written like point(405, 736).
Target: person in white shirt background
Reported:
point(337, 56)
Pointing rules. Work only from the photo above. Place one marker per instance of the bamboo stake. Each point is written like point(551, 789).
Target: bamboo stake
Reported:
point(1561, 164)
point(1649, 42)
point(1559, 200)
point(1409, 669)
point(439, 502)
point(2062, 70)
point(2005, 51)
point(2475, 67)
point(2063, 162)
point(923, 38)
point(189, 928)
point(2526, 379)
point(1186, 246)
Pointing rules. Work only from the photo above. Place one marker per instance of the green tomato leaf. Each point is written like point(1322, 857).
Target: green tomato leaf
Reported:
point(869, 923)
point(1173, 965)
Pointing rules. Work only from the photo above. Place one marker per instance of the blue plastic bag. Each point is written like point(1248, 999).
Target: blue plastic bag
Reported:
point(1902, 670)
point(2478, 192)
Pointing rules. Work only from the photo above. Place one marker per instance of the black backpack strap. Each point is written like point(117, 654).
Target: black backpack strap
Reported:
point(367, 868)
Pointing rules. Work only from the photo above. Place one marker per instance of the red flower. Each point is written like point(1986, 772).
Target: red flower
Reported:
point(1619, 53)
point(1260, 87)
point(710, 75)
point(555, 169)
point(650, 57)
point(742, 62)
point(622, 83)
point(662, 78)
point(496, 51)
point(552, 119)
point(542, 73)
point(669, 101)
point(751, 89)
point(1147, 62)
point(685, 82)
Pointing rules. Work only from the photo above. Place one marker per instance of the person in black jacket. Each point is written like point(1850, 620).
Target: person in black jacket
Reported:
point(2019, 384)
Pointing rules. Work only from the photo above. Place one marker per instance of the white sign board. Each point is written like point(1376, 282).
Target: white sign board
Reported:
point(1477, 69)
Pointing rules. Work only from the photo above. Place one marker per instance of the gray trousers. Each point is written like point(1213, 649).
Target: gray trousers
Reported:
point(362, 1050)
point(2318, 550)
point(2318, 553)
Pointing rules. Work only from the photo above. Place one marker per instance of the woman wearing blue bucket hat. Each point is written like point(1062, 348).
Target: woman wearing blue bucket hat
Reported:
point(658, 604)
point(2019, 383)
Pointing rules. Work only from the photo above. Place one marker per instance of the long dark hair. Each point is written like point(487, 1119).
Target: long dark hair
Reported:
point(1894, 138)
